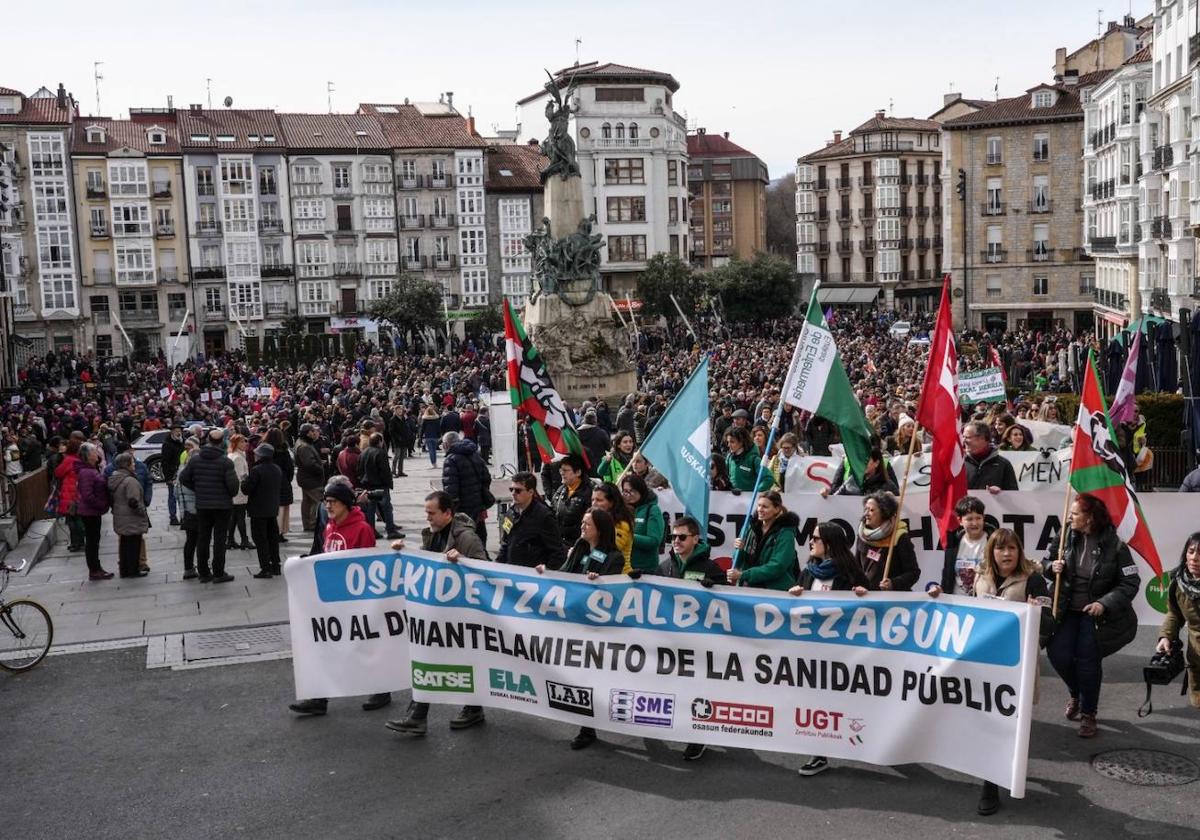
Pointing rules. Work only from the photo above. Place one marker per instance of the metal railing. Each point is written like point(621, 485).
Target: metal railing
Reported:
point(994, 255)
point(164, 231)
point(412, 222)
point(443, 221)
point(1103, 244)
point(346, 269)
point(208, 272)
point(270, 227)
point(1039, 254)
point(845, 247)
point(1043, 206)
point(867, 246)
point(993, 208)
point(97, 191)
point(1160, 299)
point(275, 271)
point(168, 274)
point(100, 231)
point(161, 189)
point(209, 228)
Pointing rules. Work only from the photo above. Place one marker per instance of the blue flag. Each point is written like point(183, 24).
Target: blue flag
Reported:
point(680, 443)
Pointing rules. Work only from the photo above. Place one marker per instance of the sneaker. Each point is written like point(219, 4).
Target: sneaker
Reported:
point(468, 717)
point(816, 764)
point(585, 738)
point(100, 575)
point(317, 706)
point(407, 726)
point(1072, 710)
point(989, 800)
point(174, 523)
point(189, 574)
point(262, 574)
point(377, 701)
point(694, 751)
point(1087, 726)
point(225, 578)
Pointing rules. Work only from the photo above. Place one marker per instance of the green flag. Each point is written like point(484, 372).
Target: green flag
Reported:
point(817, 383)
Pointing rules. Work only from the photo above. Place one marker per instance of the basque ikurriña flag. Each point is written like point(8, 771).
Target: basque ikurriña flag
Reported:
point(679, 445)
point(533, 394)
point(1097, 469)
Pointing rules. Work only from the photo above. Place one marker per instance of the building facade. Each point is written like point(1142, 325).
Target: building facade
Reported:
point(514, 205)
point(868, 214)
point(632, 151)
point(37, 233)
point(240, 248)
point(1112, 166)
point(128, 185)
point(727, 188)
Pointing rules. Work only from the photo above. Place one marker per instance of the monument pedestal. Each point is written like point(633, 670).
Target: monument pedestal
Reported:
point(585, 348)
point(564, 205)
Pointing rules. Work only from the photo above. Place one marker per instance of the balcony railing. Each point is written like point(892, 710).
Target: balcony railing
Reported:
point(270, 227)
point(923, 243)
point(275, 271)
point(822, 184)
point(1103, 244)
point(994, 160)
point(937, 243)
point(168, 274)
point(208, 228)
point(102, 276)
point(414, 263)
point(100, 231)
point(277, 308)
point(823, 249)
point(443, 221)
point(410, 182)
point(164, 231)
point(97, 191)
point(845, 183)
point(314, 308)
point(1160, 300)
point(441, 182)
point(412, 222)
point(993, 208)
point(1038, 254)
point(208, 272)
point(994, 255)
point(206, 189)
point(845, 248)
point(267, 187)
point(245, 310)
point(1110, 299)
point(347, 269)
point(866, 213)
point(161, 189)
point(343, 190)
point(906, 244)
point(866, 181)
point(213, 313)
point(139, 316)
point(1045, 205)
point(844, 216)
point(867, 246)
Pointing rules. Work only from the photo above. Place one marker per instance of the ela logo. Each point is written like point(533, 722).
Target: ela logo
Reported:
point(1156, 592)
point(443, 677)
point(507, 684)
point(576, 699)
point(641, 707)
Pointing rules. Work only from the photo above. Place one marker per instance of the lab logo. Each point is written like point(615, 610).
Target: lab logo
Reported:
point(641, 707)
point(576, 699)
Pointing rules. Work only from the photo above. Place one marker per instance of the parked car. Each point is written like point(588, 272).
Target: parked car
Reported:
point(900, 329)
point(147, 448)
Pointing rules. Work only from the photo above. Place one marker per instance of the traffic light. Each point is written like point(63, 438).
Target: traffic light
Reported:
point(962, 185)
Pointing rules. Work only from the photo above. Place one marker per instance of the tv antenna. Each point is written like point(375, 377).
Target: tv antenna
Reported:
point(228, 101)
point(578, 42)
point(99, 77)
point(208, 87)
point(329, 95)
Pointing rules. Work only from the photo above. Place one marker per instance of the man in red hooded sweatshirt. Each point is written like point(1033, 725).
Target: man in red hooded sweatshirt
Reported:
point(347, 529)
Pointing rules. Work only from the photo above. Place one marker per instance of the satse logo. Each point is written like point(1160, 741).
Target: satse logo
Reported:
point(443, 677)
point(641, 707)
point(734, 714)
point(576, 699)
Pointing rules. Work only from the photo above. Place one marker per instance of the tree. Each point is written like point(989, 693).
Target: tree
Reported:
point(666, 275)
point(294, 324)
point(414, 304)
point(781, 217)
point(757, 290)
point(485, 323)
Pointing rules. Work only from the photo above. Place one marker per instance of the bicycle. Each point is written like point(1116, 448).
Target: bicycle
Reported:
point(26, 630)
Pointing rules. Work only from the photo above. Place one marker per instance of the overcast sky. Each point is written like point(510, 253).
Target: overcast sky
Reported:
point(778, 76)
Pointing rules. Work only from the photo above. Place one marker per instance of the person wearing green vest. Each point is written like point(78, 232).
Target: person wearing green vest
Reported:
point(648, 526)
point(768, 557)
point(743, 460)
point(616, 461)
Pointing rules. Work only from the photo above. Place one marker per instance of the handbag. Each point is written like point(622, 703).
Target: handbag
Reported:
point(1163, 668)
point(189, 521)
point(51, 506)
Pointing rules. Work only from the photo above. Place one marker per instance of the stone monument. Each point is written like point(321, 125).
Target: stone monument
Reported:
point(568, 317)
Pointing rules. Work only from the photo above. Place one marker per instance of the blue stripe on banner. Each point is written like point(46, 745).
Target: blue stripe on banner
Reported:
point(957, 631)
point(359, 578)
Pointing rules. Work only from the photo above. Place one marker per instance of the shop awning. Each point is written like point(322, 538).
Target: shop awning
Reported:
point(838, 294)
point(1142, 325)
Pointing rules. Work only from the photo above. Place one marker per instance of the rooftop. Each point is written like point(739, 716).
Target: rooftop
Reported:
point(516, 168)
point(594, 72)
point(229, 129)
point(1017, 110)
point(405, 127)
point(332, 131)
point(703, 144)
point(123, 134)
point(39, 110)
point(879, 122)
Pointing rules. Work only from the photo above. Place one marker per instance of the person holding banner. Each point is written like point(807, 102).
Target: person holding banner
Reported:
point(529, 534)
point(964, 549)
point(607, 497)
point(572, 497)
point(595, 553)
point(453, 534)
point(1183, 613)
point(1099, 581)
point(648, 523)
point(878, 549)
point(742, 461)
point(769, 552)
point(878, 477)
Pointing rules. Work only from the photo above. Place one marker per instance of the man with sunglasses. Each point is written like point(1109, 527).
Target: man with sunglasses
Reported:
point(529, 533)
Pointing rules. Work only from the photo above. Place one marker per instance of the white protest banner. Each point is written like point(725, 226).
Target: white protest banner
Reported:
point(1048, 435)
point(216, 395)
point(204, 396)
point(1170, 516)
point(834, 675)
point(985, 385)
point(164, 392)
point(250, 390)
point(346, 613)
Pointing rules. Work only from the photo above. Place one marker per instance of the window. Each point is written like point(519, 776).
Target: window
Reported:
point(1041, 147)
point(475, 287)
point(412, 249)
point(95, 136)
point(1041, 243)
point(470, 202)
point(204, 180)
point(379, 214)
point(131, 220)
point(345, 217)
point(439, 170)
point(381, 256)
point(157, 138)
point(1041, 286)
point(57, 293)
point(994, 288)
point(994, 147)
point(99, 221)
point(672, 173)
point(888, 167)
point(624, 171)
point(128, 179)
point(312, 259)
point(95, 182)
point(266, 181)
point(272, 255)
point(135, 263)
point(471, 242)
point(241, 259)
point(633, 131)
point(239, 215)
point(46, 155)
point(1041, 194)
point(162, 221)
point(50, 202)
point(995, 244)
point(887, 232)
point(379, 288)
point(310, 215)
point(341, 177)
point(408, 207)
point(620, 94)
point(606, 131)
point(439, 207)
point(344, 258)
point(620, 131)
point(1043, 99)
point(212, 299)
point(673, 209)
point(236, 176)
point(995, 196)
point(626, 248)
point(441, 248)
point(627, 209)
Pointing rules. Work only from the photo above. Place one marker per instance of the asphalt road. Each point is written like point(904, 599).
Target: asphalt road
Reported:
point(95, 746)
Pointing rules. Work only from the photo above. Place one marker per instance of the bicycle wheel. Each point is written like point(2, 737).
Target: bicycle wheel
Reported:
point(25, 634)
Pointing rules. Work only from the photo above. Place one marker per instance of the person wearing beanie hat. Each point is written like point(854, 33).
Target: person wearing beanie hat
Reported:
point(898, 442)
point(262, 488)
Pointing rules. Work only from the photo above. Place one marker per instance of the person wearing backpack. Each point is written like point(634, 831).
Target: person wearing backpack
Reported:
point(92, 503)
point(468, 480)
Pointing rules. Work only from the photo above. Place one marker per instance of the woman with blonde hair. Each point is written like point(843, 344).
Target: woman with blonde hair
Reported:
point(237, 522)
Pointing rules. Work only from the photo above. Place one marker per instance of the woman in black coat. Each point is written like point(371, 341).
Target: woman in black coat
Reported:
point(1095, 607)
point(880, 517)
point(287, 472)
point(262, 487)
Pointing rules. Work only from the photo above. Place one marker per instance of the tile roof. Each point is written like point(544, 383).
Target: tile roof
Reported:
point(524, 163)
point(405, 127)
point(878, 123)
point(1144, 54)
point(593, 71)
point(39, 111)
point(7, 91)
point(714, 145)
point(845, 147)
point(239, 124)
point(332, 131)
point(1019, 109)
point(119, 134)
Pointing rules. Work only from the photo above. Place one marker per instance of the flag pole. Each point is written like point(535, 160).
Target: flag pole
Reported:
point(762, 465)
point(1062, 543)
point(912, 444)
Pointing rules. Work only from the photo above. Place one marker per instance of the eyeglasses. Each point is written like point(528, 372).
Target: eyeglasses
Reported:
point(681, 537)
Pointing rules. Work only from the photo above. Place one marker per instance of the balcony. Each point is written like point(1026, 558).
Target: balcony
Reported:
point(444, 221)
point(1039, 253)
point(441, 182)
point(208, 272)
point(100, 231)
point(906, 245)
point(209, 227)
point(270, 227)
point(844, 216)
point(102, 276)
point(866, 213)
point(845, 183)
point(823, 249)
point(164, 231)
point(922, 212)
point(906, 212)
point(1160, 228)
point(1164, 156)
point(414, 263)
point(213, 313)
point(822, 217)
point(347, 269)
point(993, 255)
point(866, 181)
point(345, 229)
point(867, 246)
point(275, 271)
point(1103, 244)
point(168, 274)
point(95, 190)
point(139, 317)
point(408, 182)
point(206, 189)
point(923, 243)
point(278, 309)
point(268, 188)
point(993, 208)
point(315, 308)
point(412, 222)
point(994, 160)
point(245, 311)
point(1112, 300)
point(1039, 206)
point(343, 191)
point(1160, 300)
point(937, 243)
point(845, 248)
point(937, 211)
point(822, 185)
point(160, 189)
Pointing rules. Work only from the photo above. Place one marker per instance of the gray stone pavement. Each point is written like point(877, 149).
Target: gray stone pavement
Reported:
point(163, 602)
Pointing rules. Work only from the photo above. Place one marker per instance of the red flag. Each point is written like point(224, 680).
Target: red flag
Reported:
point(938, 412)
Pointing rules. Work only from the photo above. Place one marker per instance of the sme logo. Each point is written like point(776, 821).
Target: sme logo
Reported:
point(734, 714)
point(641, 707)
point(433, 677)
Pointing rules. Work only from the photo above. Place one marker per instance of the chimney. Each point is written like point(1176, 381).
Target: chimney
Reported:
point(701, 130)
point(947, 98)
point(471, 126)
point(837, 135)
point(1060, 60)
point(1112, 26)
point(1071, 78)
point(61, 96)
point(1129, 22)
point(726, 135)
point(195, 106)
point(879, 114)
point(450, 98)
point(170, 102)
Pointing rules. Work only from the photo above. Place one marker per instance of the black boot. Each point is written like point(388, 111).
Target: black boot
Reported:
point(316, 706)
point(989, 799)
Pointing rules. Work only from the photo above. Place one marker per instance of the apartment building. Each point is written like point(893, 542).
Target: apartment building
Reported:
point(128, 186)
point(37, 232)
point(438, 160)
point(514, 205)
point(868, 214)
point(343, 212)
point(240, 242)
point(727, 188)
point(1112, 166)
point(632, 151)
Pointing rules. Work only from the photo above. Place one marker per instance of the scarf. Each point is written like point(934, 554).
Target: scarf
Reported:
point(823, 569)
point(878, 535)
point(1188, 584)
